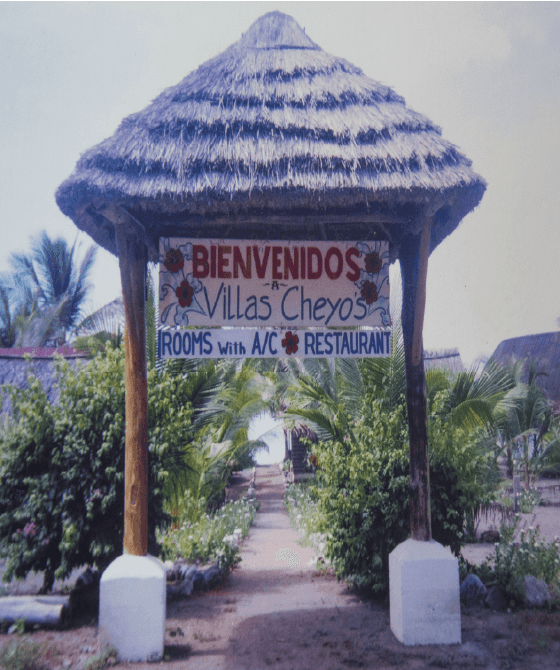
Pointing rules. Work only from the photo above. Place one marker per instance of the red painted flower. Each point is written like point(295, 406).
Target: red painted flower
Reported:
point(369, 292)
point(290, 343)
point(174, 260)
point(373, 263)
point(185, 294)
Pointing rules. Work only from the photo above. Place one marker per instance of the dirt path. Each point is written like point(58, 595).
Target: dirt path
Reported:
point(276, 612)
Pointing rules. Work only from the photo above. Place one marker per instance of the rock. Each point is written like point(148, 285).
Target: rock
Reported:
point(180, 590)
point(491, 536)
point(186, 589)
point(88, 577)
point(198, 581)
point(535, 592)
point(186, 572)
point(497, 599)
point(173, 591)
point(473, 592)
point(212, 576)
point(84, 597)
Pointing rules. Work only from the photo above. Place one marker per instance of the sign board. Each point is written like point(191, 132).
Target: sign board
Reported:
point(269, 343)
point(281, 284)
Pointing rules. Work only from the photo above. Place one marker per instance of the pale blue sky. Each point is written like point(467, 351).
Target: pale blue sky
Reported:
point(487, 73)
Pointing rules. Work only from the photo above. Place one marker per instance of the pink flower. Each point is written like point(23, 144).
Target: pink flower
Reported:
point(29, 530)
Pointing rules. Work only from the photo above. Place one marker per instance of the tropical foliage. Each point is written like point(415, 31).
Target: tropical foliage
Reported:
point(528, 432)
point(62, 466)
point(358, 410)
point(43, 297)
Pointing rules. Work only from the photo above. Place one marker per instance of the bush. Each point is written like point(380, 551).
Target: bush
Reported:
point(62, 467)
point(513, 561)
point(364, 492)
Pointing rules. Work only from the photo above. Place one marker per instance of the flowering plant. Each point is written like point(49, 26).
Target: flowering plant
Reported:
point(513, 561)
point(203, 537)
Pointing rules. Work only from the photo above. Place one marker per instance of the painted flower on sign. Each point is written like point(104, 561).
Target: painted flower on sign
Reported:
point(290, 343)
point(174, 261)
point(180, 291)
point(185, 294)
point(369, 292)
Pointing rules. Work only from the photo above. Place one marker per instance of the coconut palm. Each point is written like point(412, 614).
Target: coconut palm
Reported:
point(525, 419)
point(330, 401)
point(52, 288)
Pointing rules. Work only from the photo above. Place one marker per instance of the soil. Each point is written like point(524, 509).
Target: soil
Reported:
point(276, 611)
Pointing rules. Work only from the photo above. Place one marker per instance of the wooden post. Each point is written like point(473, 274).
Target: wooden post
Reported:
point(413, 258)
point(132, 261)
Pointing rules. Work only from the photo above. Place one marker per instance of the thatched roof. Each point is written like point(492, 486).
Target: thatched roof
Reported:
point(544, 351)
point(444, 359)
point(274, 126)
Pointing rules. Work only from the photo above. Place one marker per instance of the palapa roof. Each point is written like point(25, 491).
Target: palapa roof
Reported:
point(444, 359)
point(273, 127)
point(543, 350)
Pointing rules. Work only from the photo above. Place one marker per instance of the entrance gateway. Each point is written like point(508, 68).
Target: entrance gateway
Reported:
point(292, 299)
point(272, 139)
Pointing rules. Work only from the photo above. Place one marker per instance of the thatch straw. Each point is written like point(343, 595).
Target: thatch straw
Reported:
point(273, 126)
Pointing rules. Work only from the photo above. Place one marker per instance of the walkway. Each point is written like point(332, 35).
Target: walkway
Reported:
point(249, 624)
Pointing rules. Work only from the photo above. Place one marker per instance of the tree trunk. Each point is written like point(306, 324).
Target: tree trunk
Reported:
point(35, 610)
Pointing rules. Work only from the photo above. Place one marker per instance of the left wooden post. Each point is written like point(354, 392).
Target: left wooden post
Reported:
point(132, 261)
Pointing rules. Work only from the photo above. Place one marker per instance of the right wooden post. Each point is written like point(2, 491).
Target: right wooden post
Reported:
point(413, 258)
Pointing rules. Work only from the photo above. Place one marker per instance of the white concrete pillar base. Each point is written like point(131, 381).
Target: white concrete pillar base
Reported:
point(132, 608)
point(424, 594)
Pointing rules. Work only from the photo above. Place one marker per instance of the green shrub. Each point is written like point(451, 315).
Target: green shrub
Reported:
point(62, 467)
point(364, 492)
point(300, 501)
point(22, 653)
point(513, 561)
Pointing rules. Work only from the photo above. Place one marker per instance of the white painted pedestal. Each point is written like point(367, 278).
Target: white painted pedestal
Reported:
point(424, 594)
point(132, 608)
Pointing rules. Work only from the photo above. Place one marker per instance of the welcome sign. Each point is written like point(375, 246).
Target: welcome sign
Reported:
point(268, 343)
point(282, 284)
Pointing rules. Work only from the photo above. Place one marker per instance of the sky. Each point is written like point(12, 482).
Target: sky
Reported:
point(487, 73)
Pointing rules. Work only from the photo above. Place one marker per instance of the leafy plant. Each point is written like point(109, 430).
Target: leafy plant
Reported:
point(62, 468)
point(364, 490)
point(512, 561)
point(107, 657)
point(24, 654)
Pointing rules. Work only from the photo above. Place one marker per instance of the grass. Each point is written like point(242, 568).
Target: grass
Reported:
point(21, 653)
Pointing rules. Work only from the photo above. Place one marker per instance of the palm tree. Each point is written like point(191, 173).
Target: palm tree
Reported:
point(329, 401)
point(52, 289)
point(7, 327)
point(525, 419)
